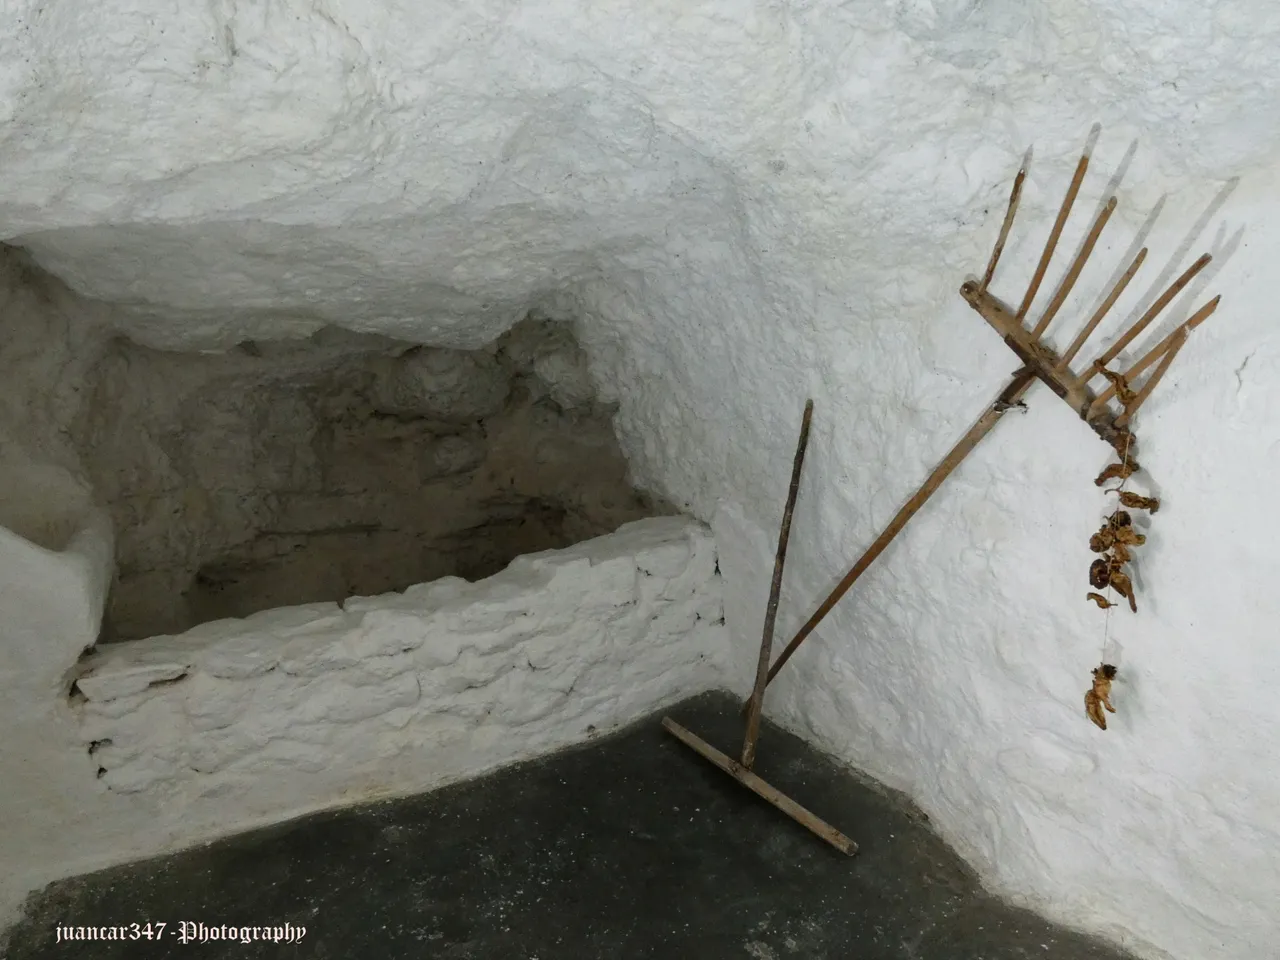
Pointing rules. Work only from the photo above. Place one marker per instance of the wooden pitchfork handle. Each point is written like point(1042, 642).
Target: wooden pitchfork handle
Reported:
point(1008, 398)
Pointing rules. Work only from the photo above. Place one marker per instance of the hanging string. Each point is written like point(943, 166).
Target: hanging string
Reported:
point(1106, 624)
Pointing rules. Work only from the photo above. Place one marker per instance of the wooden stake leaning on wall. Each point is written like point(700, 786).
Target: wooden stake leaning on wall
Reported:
point(741, 771)
point(1041, 362)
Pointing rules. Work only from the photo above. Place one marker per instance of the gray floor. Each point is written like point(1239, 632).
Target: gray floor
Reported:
point(630, 847)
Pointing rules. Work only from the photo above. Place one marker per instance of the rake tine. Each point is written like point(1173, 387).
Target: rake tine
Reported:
point(1101, 312)
point(1159, 349)
point(1163, 301)
point(1077, 265)
point(1063, 212)
point(1004, 227)
point(1180, 337)
point(1197, 318)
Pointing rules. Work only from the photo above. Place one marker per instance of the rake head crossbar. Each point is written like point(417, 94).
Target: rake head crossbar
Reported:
point(1054, 370)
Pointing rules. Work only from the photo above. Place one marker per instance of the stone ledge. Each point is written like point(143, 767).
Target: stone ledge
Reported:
point(558, 641)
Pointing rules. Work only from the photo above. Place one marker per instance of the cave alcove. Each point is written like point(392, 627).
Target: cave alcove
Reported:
point(346, 464)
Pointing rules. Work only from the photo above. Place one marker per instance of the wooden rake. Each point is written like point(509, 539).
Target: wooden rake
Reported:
point(1039, 362)
point(740, 770)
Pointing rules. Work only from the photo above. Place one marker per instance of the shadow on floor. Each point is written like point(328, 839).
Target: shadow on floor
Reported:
point(629, 847)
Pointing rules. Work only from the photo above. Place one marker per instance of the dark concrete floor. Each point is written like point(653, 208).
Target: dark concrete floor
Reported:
point(629, 847)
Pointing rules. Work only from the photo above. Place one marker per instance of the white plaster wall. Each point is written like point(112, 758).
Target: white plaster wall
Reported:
point(956, 668)
point(173, 740)
point(52, 600)
point(744, 202)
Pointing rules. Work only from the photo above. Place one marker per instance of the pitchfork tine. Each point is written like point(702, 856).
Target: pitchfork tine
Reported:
point(1054, 234)
point(1179, 338)
point(1077, 265)
point(1156, 352)
point(1196, 319)
point(1006, 226)
point(1163, 301)
point(1101, 312)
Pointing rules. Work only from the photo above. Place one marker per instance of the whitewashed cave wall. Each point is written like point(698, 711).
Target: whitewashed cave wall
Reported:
point(743, 203)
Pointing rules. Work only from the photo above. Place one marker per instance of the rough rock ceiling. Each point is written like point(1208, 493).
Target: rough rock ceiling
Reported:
point(431, 169)
point(743, 202)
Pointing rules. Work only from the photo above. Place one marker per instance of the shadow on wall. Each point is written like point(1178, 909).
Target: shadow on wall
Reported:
point(284, 473)
point(43, 504)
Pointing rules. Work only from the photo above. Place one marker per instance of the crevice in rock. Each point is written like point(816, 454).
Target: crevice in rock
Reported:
point(282, 473)
point(75, 696)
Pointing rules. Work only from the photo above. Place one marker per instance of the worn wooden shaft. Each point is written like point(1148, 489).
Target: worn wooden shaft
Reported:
point(1004, 228)
point(1180, 337)
point(756, 704)
point(1102, 311)
point(1011, 394)
point(762, 788)
point(1156, 352)
point(1154, 311)
point(1063, 212)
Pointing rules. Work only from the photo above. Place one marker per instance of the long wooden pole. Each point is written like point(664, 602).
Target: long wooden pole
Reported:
point(1010, 396)
point(775, 592)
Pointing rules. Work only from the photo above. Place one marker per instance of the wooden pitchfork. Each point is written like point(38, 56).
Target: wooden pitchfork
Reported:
point(1039, 362)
